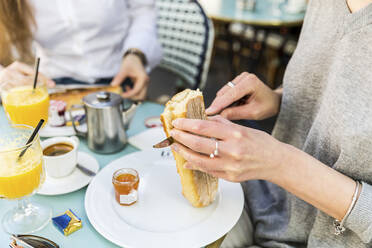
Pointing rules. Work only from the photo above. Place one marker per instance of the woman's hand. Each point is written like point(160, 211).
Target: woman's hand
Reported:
point(262, 102)
point(133, 68)
point(244, 153)
point(20, 74)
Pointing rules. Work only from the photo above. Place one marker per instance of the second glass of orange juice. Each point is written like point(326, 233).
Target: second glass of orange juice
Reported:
point(20, 177)
point(25, 105)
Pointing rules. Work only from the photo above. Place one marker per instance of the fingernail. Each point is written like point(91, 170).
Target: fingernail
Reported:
point(175, 147)
point(175, 122)
point(210, 110)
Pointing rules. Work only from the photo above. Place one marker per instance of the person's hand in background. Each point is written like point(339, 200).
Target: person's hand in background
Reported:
point(261, 103)
point(132, 67)
point(19, 73)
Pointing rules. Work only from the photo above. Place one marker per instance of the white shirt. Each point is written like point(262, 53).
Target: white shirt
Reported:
point(86, 39)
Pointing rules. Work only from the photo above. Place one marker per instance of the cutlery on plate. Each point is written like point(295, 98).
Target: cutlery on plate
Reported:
point(85, 170)
point(164, 143)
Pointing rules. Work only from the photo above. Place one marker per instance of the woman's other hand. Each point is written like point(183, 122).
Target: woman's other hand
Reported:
point(132, 68)
point(18, 73)
point(261, 103)
point(243, 153)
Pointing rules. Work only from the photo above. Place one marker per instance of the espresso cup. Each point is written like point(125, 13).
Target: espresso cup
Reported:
point(61, 165)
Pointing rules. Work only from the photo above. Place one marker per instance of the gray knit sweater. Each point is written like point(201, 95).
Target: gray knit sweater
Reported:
point(327, 112)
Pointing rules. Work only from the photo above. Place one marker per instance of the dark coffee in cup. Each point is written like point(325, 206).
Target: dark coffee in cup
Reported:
point(57, 149)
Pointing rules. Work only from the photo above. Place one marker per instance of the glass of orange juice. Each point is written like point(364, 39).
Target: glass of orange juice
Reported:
point(20, 178)
point(25, 105)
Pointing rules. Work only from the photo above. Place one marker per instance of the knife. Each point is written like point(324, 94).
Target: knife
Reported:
point(169, 141)
point(65, 88)
point(164, 143)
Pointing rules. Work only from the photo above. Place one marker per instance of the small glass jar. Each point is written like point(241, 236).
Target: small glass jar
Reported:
point(125, 183)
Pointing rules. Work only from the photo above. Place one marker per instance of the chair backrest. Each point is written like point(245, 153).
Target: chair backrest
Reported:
point(187, 36)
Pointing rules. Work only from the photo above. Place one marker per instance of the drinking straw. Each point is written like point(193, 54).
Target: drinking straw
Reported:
point(37, 62)
point(36, 130)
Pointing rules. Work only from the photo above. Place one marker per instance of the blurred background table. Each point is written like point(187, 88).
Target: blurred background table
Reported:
point(87, 236)
point(263, 15)
point(259, 41)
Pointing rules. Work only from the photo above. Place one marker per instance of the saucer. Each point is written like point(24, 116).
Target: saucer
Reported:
point(75, 181)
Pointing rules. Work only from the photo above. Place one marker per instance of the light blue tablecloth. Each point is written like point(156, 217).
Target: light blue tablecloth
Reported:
point(228, 10)
point(87, 236)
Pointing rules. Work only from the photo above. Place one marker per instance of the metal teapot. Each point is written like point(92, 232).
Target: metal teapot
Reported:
point(106, 117)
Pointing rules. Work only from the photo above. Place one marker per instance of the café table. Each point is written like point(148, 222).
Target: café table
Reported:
point(229, 11)
point(258, 23)
point(87, 236)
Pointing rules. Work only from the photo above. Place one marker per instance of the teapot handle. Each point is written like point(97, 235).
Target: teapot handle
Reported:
point(128, 111)
point(77, 131)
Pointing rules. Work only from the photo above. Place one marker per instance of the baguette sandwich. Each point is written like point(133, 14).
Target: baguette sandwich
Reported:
point(198, 188)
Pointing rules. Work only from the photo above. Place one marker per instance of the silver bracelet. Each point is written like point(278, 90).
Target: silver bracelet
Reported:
point(339, 225)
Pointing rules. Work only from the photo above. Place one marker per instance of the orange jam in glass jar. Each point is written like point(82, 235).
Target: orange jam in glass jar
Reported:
point(125, 183)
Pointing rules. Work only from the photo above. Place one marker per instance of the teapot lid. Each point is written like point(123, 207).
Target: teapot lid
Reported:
point(102, 99)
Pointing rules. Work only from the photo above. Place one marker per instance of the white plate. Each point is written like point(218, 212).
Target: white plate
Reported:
point(75, 181)
point(162, 217)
